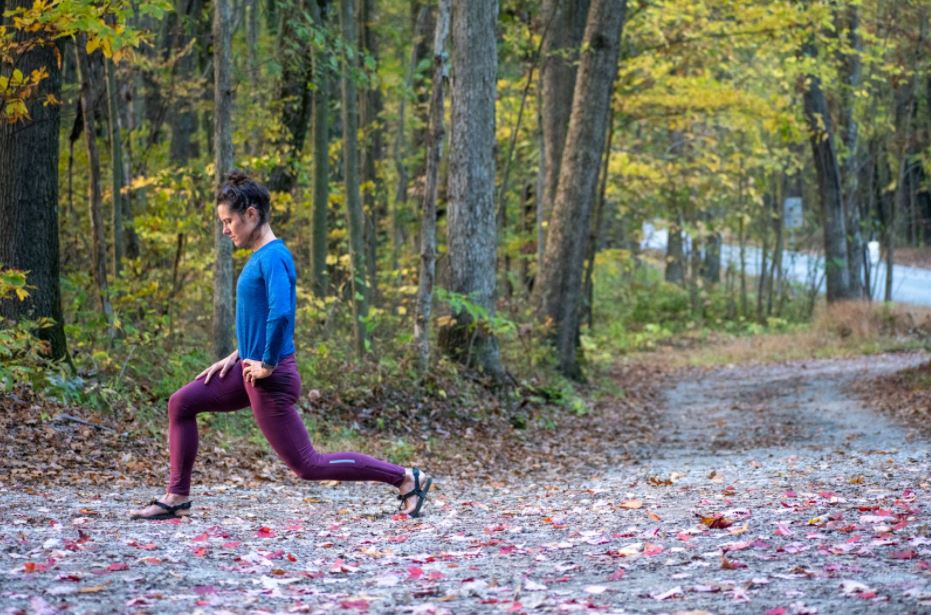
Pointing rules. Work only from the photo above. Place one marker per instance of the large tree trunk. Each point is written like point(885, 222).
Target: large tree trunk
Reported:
point(563, 27)
point(829, 189)
point(295, 96)
point(321, 138)
point(29, 196)
point(95, 201)
point(350, 118)
point(428, 217)
point(471, 227)
point(560, 283)
point(223, 157)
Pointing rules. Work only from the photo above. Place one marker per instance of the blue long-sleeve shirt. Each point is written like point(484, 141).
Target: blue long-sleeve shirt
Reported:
point(266, 301)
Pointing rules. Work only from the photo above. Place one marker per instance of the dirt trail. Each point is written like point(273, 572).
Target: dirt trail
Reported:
point(771, 491)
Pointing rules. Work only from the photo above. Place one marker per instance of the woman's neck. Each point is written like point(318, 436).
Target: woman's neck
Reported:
point(265, 236)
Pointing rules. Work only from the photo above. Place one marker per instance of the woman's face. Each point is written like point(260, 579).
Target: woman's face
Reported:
point(240, 227)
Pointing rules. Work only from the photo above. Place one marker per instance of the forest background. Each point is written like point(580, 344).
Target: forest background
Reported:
point(463, 186)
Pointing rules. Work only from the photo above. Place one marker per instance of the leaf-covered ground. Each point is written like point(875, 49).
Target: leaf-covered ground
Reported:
point(769, 489)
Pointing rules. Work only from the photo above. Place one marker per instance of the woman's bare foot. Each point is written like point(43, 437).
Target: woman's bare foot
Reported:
point(412, 504)
point(154, 510)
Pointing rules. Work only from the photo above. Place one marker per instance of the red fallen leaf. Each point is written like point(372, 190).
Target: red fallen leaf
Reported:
point(515, 607)
point(653, 516)
point(782, 530)
point(202, 602)
point(414, 572)
point(683, 536)
point(495, 528)
point(730, 490)
point(906, 554)
point(617, 575)
point(507, 550)
point(295, 527)
point(82, 537)
point(866, 595)
point(716, 521)
point(200, 551)
point(397, 539)
point(789, 494)
point(151, 560)
point(201, 537)
point(265, 532)
point(400, 517)
point(291, 557)
point(923, 565)
point(231, 544)
point(435, 575)
point(776, 611)
point(30, 567)
point(651, 549)
point(70, 577)
point(729, 564)
point(360, 605)
point(203, 590)
point(117, 566)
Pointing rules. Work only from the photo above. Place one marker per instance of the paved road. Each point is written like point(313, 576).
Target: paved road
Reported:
point(910, 284)
point(771, 490)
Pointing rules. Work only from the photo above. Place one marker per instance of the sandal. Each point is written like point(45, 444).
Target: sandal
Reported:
point(421, 493)
point(171, 512)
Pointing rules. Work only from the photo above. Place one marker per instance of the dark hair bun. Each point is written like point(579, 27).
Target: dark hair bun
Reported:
point(237, 178)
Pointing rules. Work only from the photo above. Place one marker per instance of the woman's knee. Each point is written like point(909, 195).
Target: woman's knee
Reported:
point(179, 405)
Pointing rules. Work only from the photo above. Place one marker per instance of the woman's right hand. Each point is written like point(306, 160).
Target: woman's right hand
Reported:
point(222, 366)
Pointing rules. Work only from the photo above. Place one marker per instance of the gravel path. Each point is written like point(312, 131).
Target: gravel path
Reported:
point(771, 491)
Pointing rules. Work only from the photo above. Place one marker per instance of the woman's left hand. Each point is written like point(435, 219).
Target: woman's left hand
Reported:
point(253, 370)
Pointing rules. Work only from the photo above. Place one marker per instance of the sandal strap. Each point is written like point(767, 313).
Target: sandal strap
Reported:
point(416, 490)
point(170, 508)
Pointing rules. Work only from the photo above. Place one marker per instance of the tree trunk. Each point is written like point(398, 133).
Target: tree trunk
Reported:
point(29, 196)
point(560, 282)
point(594, 236)
point(295, 96)
point(321, 170)
point(182, 118)
point(373, 195)
point(563, 28)
point(471, 226)
point(428, 221)
point(711, 268)
point(851, 75)
point(422, 52)
point(675, 254)
point(116, 163)
point(223, 160)
point(95, 202)
point(354, 222)
point(829, 189)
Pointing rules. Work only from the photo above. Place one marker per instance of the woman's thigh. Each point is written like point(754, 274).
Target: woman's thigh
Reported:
point(224, 394)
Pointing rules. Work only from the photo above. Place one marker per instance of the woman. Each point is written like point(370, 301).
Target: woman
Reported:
point(262, 373)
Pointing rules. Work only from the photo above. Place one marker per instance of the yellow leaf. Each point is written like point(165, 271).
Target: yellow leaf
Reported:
point(92, 45)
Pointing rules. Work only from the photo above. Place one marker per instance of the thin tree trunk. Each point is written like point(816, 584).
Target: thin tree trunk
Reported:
point(223, 152)
point(560, 283)
point(851, 73)
point(295, 95)
point(428, 223)
point(373, 194)
point(95, 202)
point(674, 272)
point(321, 171)
point(116, 163)
point(829, 188)
point(472, 235)
point(29, 196)
point(354, 221)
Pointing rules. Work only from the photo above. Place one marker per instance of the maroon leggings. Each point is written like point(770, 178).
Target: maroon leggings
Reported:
point(272, 400)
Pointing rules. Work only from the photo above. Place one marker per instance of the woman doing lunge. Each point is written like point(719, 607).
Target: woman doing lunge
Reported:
point(262, 373)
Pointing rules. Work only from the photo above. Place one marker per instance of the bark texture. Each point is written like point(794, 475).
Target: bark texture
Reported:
point(563, 27)
point(354, 221)
point(428, 222)
point(95, 201)
point(561, 273)
point(830, 190)
point(223, 158)
point(29, 199)
point(321, 139)
point(471, 229)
